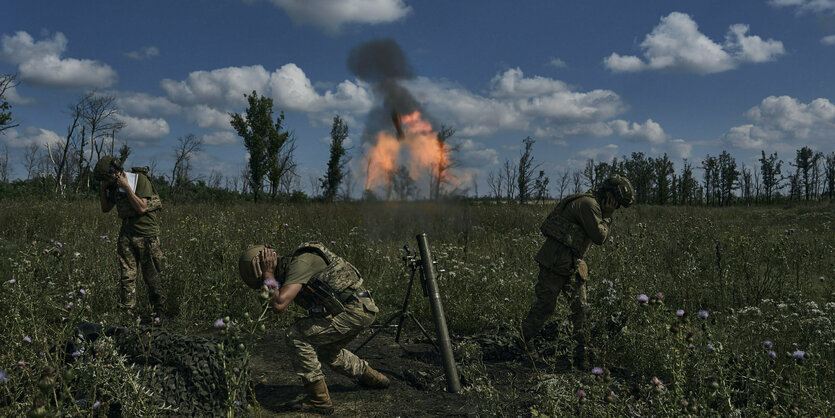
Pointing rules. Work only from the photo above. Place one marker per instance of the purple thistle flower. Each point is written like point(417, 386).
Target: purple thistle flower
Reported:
point(3, 378)
point(82, 291)
point(656, 381)
point(703, 314)
point(680, 313)
point(691, 346)
point(768, 344)
point(819, 278)
point(12, 281)
point(659, 296)
point(581, 393)
point(68, 307)
point(156, 320)
point(76, 354)
point(286, 224)
point(772, 354)
point(642, 298)
point(96, 405)
point(597, 371)
point(219, 323)
point(26, 339)
point(58, 243)
point(15, 264)
point(20, 363)
point(710, 347)
point(799, 355)
point(271, 283)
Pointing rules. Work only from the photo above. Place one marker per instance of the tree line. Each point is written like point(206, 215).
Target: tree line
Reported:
point(271, 170)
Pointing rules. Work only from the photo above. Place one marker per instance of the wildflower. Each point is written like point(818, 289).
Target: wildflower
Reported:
point(656, 381)
point(20, 363)
point(96, 405)
point(772, 354)
point(710, 347)
point(82, 291)
point(799, 355)
point(659, 296)
point(286, 224)
point(271, 283)
point(156, 320)
point(12, 281)
point(219, 323)
point(680, 313)
point(819, 278)
point(59, 244)
point(76, 254)
point(68, 307)
point(703, 314)
point(768, 344)
point(26, 339)
point(333, 242)
point(691, 346)
point(597, 371)
point(15, 264)
point(642, 298)
point(581, 393)
point(102, 236)
point(76, 354)
point(3, 378)
point(69, 294)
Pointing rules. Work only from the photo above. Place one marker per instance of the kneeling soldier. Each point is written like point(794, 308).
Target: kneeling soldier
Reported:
point(339, 308)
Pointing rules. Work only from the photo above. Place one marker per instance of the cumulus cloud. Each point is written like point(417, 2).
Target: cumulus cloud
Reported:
point(677, 45)
point(605, 153)
point(679, 148)
point(143, 53)
point(14, 97)
point(40, 62)
point(142, 104)
point(222, 138)
point(828, 40)
point(332, 15)
point(142, 129)
point(650, 131)
point(784, 120)
point(30, 136)
point(473, 154)
point(805, 6)
point(207, 117)
point(557, 63)
point(208, 93)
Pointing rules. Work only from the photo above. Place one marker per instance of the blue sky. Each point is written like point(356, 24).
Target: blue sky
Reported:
point(585, 79)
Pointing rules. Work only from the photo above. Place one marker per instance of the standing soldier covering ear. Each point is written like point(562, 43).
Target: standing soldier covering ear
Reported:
point(338, 307)
point(137, 204)
point(578, 221)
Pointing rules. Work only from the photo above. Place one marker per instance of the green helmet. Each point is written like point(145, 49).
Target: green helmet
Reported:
point(106, 167)
point(249, 266)
point(621, 189)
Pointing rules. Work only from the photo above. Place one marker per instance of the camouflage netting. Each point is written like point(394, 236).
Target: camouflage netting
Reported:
point(188, 370)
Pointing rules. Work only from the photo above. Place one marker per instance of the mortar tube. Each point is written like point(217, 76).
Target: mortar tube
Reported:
point(450, 368)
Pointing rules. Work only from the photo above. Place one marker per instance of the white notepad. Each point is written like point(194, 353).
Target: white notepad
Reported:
point(131, 182)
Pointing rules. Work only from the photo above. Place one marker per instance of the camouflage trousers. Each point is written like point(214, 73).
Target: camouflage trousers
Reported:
point(145, 252)
point(324, 337)
point(548, 287)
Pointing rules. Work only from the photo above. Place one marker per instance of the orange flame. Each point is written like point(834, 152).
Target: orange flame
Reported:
point(419, 142)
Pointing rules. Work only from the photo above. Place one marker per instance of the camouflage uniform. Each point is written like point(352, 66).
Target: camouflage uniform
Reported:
point(570, 229)
point(138, 243)
point(321, 332)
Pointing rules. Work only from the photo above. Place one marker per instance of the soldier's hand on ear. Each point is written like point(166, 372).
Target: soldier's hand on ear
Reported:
point(609, 204)
point(268, 261)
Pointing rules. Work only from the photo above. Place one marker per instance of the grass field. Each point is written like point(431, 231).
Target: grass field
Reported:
point(755, 285)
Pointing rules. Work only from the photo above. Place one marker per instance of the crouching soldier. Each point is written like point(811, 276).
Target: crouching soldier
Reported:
point(137, 204)
point(339, 308)
point(578, 221)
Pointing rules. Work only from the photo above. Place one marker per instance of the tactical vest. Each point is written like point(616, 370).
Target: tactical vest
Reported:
point(123, 206)
point(565, 231)
point(339, 274)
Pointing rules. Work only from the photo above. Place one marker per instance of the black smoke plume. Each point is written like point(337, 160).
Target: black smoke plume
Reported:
point(383, 64)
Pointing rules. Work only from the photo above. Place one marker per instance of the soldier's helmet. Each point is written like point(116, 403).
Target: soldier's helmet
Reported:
point(249, 266)
point(621, 189)
point(105, 168)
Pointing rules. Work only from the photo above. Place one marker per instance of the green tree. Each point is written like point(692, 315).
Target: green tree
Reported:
point(526, 169)
point(7, 82)
point(261, 136)
point(663, 169)
point(728, 177)
point(336, 165)
point(806, 162)
point(770, 169)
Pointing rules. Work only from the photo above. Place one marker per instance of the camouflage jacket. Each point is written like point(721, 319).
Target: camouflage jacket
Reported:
point(570, 229)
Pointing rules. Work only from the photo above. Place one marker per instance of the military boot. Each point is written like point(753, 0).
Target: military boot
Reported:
point(371, 378)
point(318, 400)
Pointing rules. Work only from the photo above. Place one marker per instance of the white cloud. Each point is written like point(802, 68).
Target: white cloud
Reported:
point(41, 63)
point(208, 117)
point(330, 15)
point(676, 45)
point(14, 97)
point(600, 153)
point(828, 40)
point(675, 149)
point(222, 138)
point(557, 63)
point(473, 154)
point(803, 6)
point(142, 129)
point(650, 131)
point(142, 104)
point(220, 87)
point(31, 135)
point(143, 53)
point(784, 120)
